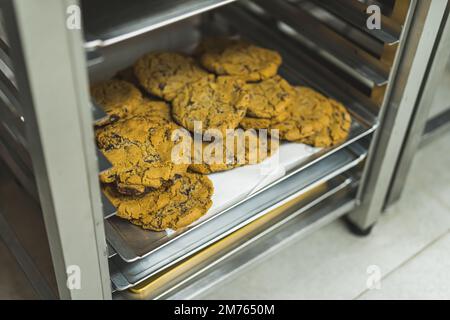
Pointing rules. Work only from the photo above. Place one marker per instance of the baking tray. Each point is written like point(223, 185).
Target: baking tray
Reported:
point(233, 219)
point(133, 243)
point(107, 22)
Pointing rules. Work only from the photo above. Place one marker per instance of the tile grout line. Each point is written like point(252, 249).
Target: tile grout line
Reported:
point(404, 263)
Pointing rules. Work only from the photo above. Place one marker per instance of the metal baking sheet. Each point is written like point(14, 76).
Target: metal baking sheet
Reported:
point(235, 218)
point(133, 243)
point(108, 22)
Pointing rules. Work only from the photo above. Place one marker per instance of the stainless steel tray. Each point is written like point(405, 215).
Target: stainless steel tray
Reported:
point(300, 67)
point(133, 243)
point(124, 274)
point(108, 22)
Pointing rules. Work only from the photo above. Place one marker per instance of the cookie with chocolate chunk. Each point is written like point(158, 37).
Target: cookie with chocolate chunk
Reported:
point(336, 132)
point(140, 151)
point(117, 98)
point(163, 74)
point(173, 206)
point(239, 58)
point(214, 103)
point(305, 115)
point(269, 98)
point(239, 149)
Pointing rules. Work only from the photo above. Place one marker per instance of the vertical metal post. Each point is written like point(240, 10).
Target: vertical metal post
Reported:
point(417, 127)
point(398, 110)
point(54, 92)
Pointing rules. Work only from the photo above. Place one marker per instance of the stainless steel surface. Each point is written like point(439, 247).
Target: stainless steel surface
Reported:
point(354, 12)
point(435, 73)
point(5, 54)
point(21, 171)
point(295, 222)
point(420, 32)
point(27, 264)
point(133, 243)
point(111, 251)
point(328, 40)
point(54, 82)
point(301, 65)
point(234, 218)
point(376, 74)
point(22, 230)
point(435, 127)
point(302, 225)
point(108, 22)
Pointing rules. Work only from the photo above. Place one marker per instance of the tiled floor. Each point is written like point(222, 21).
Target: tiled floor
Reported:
point(410, 247)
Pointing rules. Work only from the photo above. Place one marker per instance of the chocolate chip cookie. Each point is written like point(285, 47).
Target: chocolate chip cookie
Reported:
point(173, 206)
point(140, 151)
point(163, 74)
point(306, 114)
point(117, 98)
point(269, 98)
point(239, 58)
point(336, 132)
point(241, 148)
point(214, 103)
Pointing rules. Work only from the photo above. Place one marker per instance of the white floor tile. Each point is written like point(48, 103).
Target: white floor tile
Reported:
point(431, 170)
point(426, 276)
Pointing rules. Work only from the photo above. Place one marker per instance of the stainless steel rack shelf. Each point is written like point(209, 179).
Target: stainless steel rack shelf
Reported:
point(301, 65)
point(326, 39)
point(197, 274)
point(122, 20)
point(135, 252)
point(131, 243)
point(125, 275)
point(354, 12)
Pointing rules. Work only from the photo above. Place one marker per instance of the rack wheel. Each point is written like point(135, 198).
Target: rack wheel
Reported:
point(357, 231)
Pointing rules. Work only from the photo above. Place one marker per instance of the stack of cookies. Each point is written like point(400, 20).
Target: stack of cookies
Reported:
point(227, 84)
point(144, 184)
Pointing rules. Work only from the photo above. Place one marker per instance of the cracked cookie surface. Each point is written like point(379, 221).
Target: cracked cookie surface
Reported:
point(117, 98)
point(336, 132)
point(163, 74)
point(175, 205)
point(239, 58)
point(269, 98)
point(140, 151)
point(217, 103)
point(244, 148)
point(306, 114)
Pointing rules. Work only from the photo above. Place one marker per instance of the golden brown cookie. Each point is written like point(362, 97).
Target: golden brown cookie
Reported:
point(117, 98)
point(239, 58)
point(243, 148)
point(215, 103)
point(175, 205)
point(269, 98)
point(155, 110)
point(163, 74)
point(336, 132)
point(140, 151)
point(306, 114)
